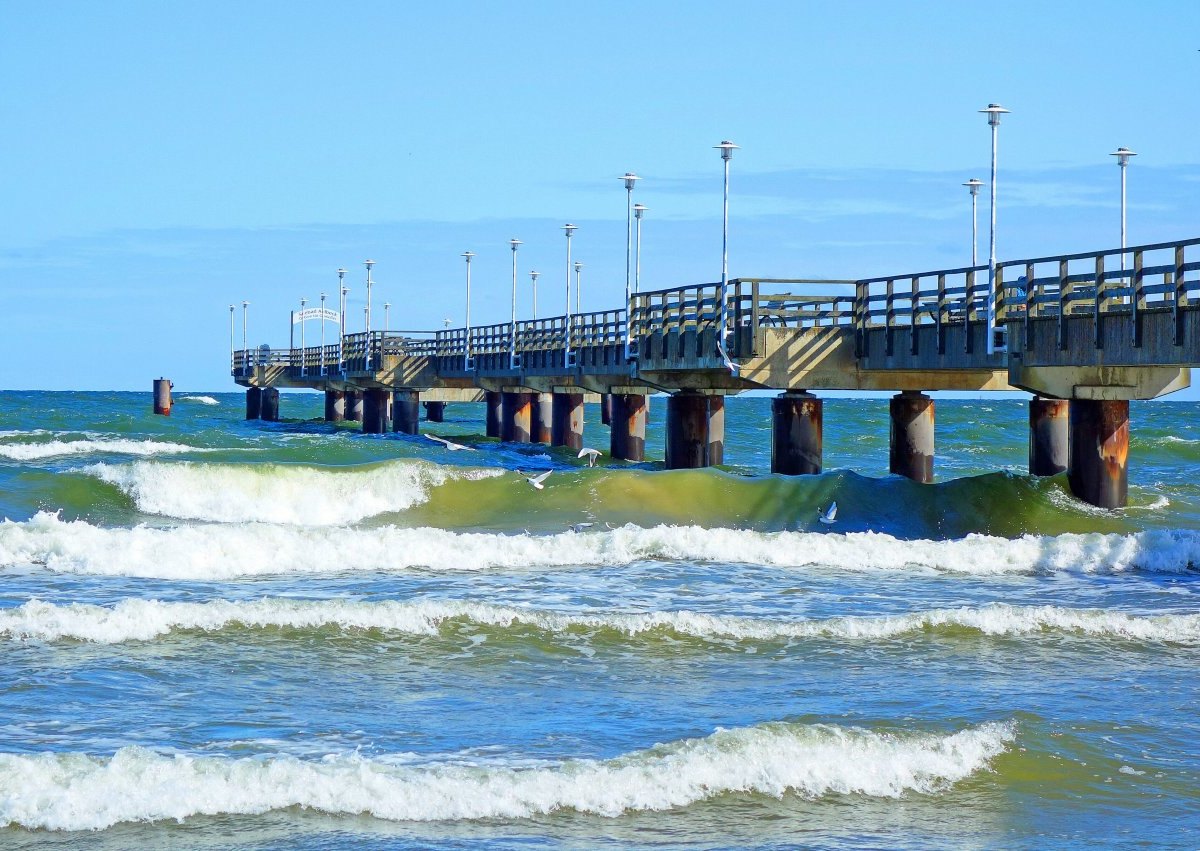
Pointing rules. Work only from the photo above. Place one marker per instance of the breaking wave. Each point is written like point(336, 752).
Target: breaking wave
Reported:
point(199, 400)
point(91, 446)
point(143, 620)
point(223, 551)
point(80, 792)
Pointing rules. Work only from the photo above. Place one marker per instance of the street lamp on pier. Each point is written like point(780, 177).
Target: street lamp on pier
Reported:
point(638, 211)
point(726, 148)
point(533, 276)
point(387, 316)
point(630, 178)
point(512, 328)
point(578, 291)
point(973, 184)
point(303, 352)
point(369, 264)
point(467, 350)
point(231, 343)
point(245, 345)
point(993, 112)
point(323, 370)
point(569, 229)
point(1123, 154)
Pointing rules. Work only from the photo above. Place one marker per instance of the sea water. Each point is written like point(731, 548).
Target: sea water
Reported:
point(226, 634)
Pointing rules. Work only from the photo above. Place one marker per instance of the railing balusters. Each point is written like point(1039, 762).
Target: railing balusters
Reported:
point(942, 307)
point(914, 313)
point(1180, 299)
point(889, 316)
point(1138, 303)
point(1098, 302)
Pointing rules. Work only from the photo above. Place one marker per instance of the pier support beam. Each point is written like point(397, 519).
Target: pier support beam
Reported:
point(912, 436)
point(435, 412)
point(253, 403)
point(335, 406)
point(542, 418)
point(627, 437)
point(716, 430)
point(1048, 436)
point(606, 408)
point(406, 411)
point(567, 426)
point(375, 411)
point(493, 413)
point(270, 404)
point(1099, 451)
point(690, 430)
point(354, 406)
point(518, 411)
point(162, 396)
point(796, 441)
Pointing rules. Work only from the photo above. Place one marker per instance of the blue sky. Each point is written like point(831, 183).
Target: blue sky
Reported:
point(164, 160)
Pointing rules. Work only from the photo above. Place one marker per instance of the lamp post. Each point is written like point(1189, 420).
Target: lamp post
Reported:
point(467, 352)
point(630, 178)
point(1123, 155)
point(569, 229)
point(578, 291)
point(993, 112)
point(512, 328)
point(245, 346)
point(231, 344)
point(369, 264)
point(973, 185)
point(533, 276)
point(638, 211)
point(323, 370)
point(387, 316)
point(726, 148)
point(303, 353)
point(342, 290)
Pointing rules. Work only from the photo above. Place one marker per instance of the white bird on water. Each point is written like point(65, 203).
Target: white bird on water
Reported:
point(581, 527)
point(449, 444)
point(592, 455)
point(829, 515)
point(536, 481)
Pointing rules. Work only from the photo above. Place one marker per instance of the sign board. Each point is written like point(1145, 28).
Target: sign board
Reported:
point(323, 313)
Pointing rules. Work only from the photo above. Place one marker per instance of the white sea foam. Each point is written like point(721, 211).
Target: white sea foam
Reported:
point(277, 493)
point(80, 792)
point(223, 551)
point(92, 446)
point(200, 400)
point(142, 620)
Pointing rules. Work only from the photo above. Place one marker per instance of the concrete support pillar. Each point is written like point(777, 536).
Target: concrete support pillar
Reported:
point(627, 438)
point(1099, 451)
point(912, 436)
point(687, 431)
point(796, 441)
point(606, 408)
point(1048, 436)
point(435, 412)
point(567, 426)
point(270, 404)
point(162, 396)
point(253, 403)
point(493, 413)
point(375, 411)
point(354, 406)
point(518, 412)
point(406, 411)
point(542, 418)
point(716, 430)
point(335, 406)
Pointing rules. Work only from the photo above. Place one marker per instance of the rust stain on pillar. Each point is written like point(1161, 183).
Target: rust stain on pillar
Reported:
point(797, 440)
point(541, 418)
point(716, 430)
point(354, 405)
point(627, 439)
point(162, 396)
point(517, 415)
point(1098, 471)
point(1049, 433)
point(912, 436)
point(493, 413)
point(567, 426)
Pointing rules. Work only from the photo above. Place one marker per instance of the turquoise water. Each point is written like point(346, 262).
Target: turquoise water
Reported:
point(224, 634)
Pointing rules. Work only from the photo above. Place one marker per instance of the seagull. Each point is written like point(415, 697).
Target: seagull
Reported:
point(449, 444)
point(579, 527)
point(592, 455)
point(536, 481)
point(829, 515)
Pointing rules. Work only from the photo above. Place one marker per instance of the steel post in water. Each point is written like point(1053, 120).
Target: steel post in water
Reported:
point(518, 411)
point(796, 445)
point(606, 408)
point(1048, 436)
point(335, 406)
point(270, 404)
point(687, 431)
point(493, 413)
point(435, 412)
point(912, 436)
point(162, 396)
point(406, 411)
point(542, 418)
point(716, 430)
point(253, 403)
point(375, 411)
point(1099, 451)
point(567, 426)
point(627, 437)
point(354, 406)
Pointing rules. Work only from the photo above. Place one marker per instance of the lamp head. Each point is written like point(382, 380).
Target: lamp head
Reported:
point(468, 255)
point(578, 265)
point(368, 264)
point(570, 229)
point(245, 304)
point(1123, 155)
point(303, 302)
point(341, 273)
point(973, 184)
point(638, 209)
point(514, 242)
point(630, 178)
point(994, 111)
point(726, 148)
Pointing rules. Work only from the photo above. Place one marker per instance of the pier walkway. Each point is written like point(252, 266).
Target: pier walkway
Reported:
point(1086, 333)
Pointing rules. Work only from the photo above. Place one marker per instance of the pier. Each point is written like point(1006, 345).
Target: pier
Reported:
point(1085, 333)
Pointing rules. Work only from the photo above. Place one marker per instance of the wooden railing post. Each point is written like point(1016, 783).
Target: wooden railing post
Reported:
point(1064, 301)
point(968, 309)
point(1098, 301)
point(914, 313)
point(1138, 303)
point(890, 317)
point(1031, 303)
point(1180, 296)
point(861, 289)
point(941, 312)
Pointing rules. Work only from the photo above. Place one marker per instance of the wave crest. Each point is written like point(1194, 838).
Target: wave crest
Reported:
point(93, 446)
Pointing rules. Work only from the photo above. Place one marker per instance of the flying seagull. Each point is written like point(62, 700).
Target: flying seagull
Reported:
point(592, 455)
point(580, 527)
point(449, 444)
point(829, 515)
point(536, 481)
